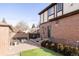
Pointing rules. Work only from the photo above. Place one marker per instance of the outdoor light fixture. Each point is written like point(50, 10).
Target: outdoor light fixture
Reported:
point(77, 43)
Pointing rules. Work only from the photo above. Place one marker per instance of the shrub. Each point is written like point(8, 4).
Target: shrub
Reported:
point(70, 51)
point(48, 44)
point(61, 48)
point(66, 51)
point(43, 43)
point(55, 47)
point(52, 46)
point(75, 51)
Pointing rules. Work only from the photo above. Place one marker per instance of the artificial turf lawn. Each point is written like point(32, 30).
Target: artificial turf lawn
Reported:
point(39, 52)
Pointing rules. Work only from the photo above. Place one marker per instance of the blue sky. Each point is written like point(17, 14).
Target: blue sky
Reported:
point(28, 12)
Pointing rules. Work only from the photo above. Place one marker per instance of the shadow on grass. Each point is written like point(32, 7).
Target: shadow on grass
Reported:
point(51, 52)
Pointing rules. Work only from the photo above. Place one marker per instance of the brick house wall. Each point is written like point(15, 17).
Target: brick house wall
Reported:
point(65, 31)
point(63, 24)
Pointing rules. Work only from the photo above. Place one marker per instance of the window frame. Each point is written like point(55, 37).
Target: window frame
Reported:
point(57, 6)
point(50, 12)
point(42, 18)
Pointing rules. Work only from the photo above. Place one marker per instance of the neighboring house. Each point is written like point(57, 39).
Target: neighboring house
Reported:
point(19, 37)
point(33, 33)
point(5, 37)
point(34, 30)
point(59, 22)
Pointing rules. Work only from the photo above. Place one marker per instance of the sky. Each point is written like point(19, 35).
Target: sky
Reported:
point(27, 12)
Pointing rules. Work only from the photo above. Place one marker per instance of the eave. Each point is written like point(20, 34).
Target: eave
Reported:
point(52, 4)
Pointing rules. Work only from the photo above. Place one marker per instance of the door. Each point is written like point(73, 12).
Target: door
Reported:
point(49, 31)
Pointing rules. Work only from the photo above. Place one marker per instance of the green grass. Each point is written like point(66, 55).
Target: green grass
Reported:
point(39, 52)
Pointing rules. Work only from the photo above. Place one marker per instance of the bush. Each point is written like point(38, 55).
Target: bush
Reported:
point(60, 48)
point(75, 51)
point(43, 43)
point(70, 51)
point(67, 51)
point(52, 46)
point(55, 47)
point(48, 44)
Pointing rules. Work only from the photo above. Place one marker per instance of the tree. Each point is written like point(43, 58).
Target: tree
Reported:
point(21, 26)
point(33, 26)
point(3, 20)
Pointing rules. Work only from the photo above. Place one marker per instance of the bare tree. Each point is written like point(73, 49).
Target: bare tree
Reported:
point(21, 26)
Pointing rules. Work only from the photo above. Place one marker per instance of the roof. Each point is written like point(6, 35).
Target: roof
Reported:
point(6, 25)
point(31, 30)
point(52, 4)
point(20, 34)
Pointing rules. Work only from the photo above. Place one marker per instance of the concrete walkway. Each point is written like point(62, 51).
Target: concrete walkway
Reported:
point(15, 50)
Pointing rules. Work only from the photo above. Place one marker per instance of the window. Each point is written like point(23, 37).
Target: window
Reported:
point(45, 16)
point(59, 7)
point(51, 11)
point(41, 18)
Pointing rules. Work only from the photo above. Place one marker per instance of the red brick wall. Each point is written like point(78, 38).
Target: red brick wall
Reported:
point(65, 31)
point(43, 30)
